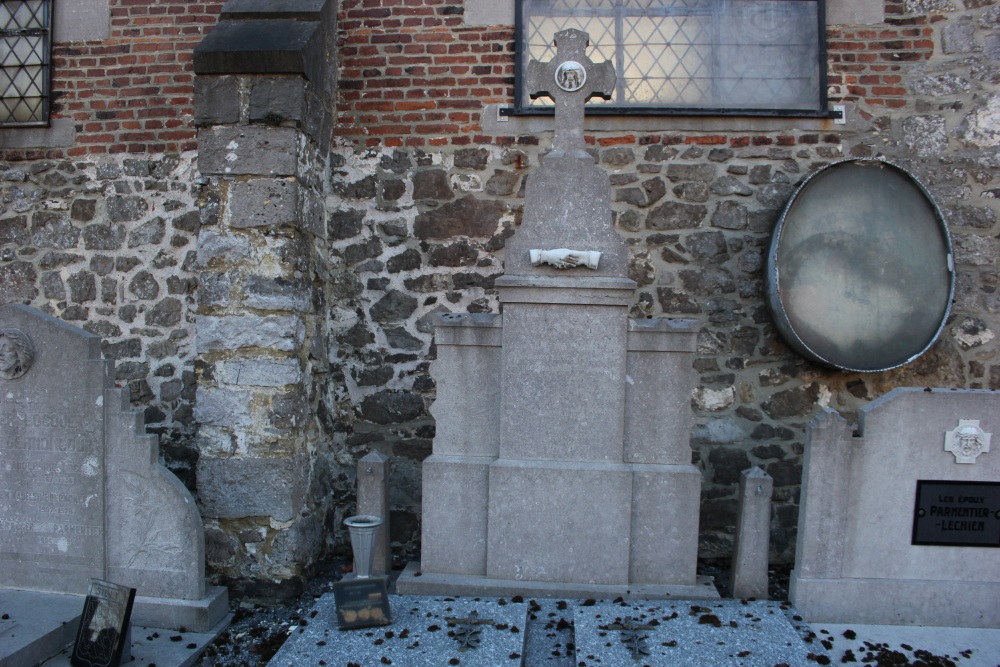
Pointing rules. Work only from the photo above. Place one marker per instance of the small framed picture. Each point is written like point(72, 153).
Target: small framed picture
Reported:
point(104, 625)
point(362, 603)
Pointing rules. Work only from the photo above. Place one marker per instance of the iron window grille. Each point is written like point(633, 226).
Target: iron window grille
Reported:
point(25, 62)
point(688, 57)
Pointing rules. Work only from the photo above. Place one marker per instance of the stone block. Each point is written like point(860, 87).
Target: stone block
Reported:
point(263, 202)
point(84, 21)
point(455, 504)
point(584, 508)
point(216, 100)
point(664, 530)
point(260, 372)
point(280, 332)
point(256, 47)
point(226, 407)
point(467, 373)
point(248, 150)
point(854, 12)
point(489, 12)
point(373, 500)
point(659, 380)
point(276, 99)
point(238, 487)
point(562, 401)
point(277, 294)
point(748, 575)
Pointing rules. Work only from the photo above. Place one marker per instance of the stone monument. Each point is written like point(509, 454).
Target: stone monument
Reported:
point(82, 494)
point(900, 521)
point(561, 463)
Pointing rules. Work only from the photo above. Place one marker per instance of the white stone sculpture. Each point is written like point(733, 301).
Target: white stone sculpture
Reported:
point(967, 441)
point(563, 258)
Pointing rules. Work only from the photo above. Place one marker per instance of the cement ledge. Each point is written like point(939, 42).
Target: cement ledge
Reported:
point(961, 604)
point(413, 581)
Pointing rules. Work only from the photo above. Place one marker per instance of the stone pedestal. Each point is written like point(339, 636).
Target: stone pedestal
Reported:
point(563, 423)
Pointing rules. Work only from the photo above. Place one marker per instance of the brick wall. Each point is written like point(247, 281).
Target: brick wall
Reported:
point(414, 75)
point(133, 92)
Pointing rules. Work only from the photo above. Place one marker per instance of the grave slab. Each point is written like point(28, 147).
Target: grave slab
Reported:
point(419, 635)
point(161, 647)
point(684, 633)
point(34, 625)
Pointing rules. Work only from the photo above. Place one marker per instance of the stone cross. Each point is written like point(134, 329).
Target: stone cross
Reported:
point(570, 79)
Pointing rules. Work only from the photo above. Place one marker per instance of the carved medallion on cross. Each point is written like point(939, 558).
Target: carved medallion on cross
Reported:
point(570, 79)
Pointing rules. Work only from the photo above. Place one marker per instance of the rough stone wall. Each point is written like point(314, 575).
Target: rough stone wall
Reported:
point(426, 190)
point(109, 246)
point(99, 216)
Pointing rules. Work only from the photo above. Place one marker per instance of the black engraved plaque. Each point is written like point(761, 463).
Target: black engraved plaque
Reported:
point(957, 514)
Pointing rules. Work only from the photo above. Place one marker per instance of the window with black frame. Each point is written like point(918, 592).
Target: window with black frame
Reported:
point(754, 57)
point(25, 62)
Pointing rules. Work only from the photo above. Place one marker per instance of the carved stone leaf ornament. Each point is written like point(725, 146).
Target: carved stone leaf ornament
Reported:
point(967, 441)
point(146, 547)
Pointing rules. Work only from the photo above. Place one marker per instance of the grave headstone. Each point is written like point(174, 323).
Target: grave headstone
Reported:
point(900, 522)
point(82, 495)
point(562, 420)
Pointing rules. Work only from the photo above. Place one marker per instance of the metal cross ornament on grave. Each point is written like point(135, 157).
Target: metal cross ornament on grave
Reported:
point(570, 79)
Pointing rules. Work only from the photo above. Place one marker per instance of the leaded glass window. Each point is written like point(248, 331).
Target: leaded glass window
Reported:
point(25, 62)
point(689, 56)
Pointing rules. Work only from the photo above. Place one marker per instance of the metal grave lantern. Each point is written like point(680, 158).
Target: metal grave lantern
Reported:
point(860, 275)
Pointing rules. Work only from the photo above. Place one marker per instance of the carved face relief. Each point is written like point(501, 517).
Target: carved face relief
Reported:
point(571, 76)
point(16, 353)
point(967, 441)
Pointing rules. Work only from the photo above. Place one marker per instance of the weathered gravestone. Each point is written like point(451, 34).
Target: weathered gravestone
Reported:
point(561, 463)
point(900, 524)
point(82, 494)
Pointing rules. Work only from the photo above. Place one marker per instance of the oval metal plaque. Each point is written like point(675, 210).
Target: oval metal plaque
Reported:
point(859, 273)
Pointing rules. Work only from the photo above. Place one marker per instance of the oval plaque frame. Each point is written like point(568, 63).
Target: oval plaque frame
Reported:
point(860, 274)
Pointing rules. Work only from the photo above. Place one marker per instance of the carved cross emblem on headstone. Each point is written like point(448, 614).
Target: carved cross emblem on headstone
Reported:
point(570, 79)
